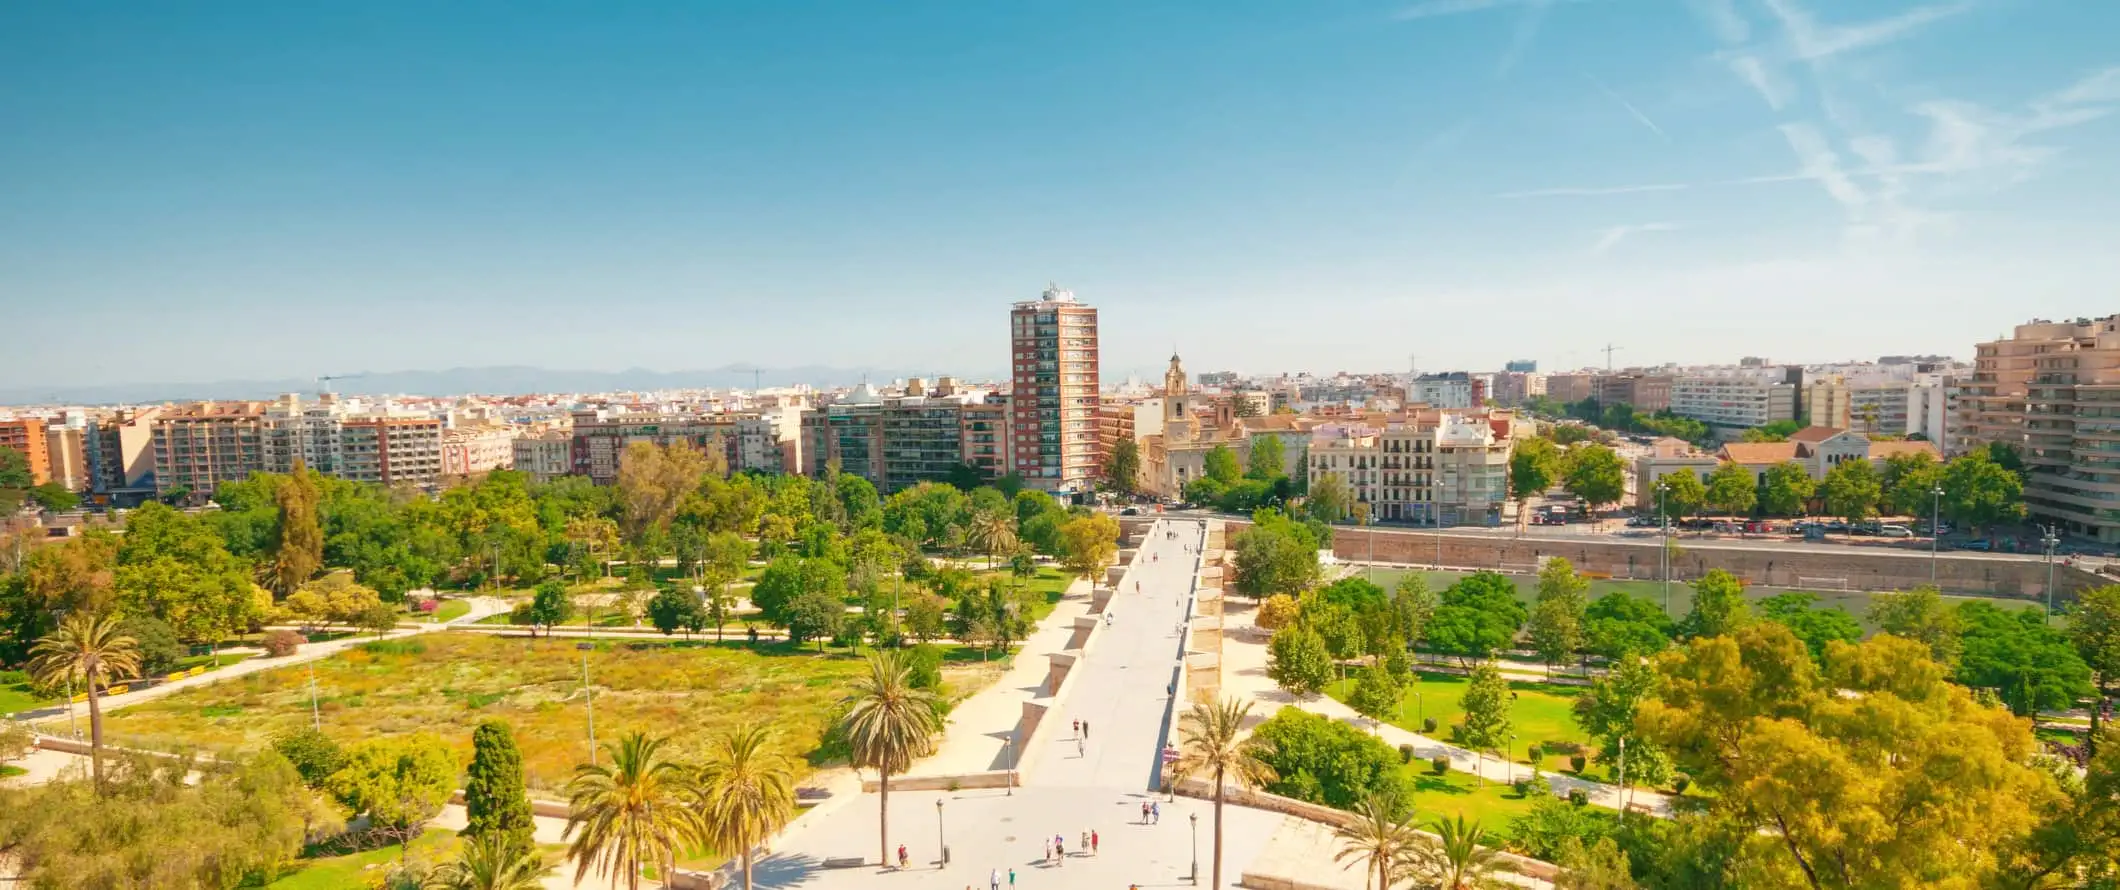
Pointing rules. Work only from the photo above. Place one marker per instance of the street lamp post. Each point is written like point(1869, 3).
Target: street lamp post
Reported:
point(1011, 743)
point(1935, 529)
point(1420, 711)
point(588, 698)
point(1435, 516)
point(1623, 775)
point(1510, 758)
point(942, 841)
point(1663, 519)
point(316, 717)
point(1195, 848)
point(73, 725)
point(2051, 541)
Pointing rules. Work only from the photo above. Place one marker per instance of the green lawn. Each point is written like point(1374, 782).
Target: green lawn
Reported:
point(446, 682)
point(1045, 588)
point(1457, 793)
point(356, 869)
point(1541, 712)
point(227, 658)
point(449, 609)
point(1855, 602)
point(19, 697)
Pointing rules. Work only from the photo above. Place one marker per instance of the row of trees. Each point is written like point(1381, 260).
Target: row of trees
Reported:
point(18, 486)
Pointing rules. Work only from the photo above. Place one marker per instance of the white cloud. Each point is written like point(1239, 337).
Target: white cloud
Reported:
point(1526, 32)
point(1820, 163)
point(1592, 192)
point(1812, 41)
point(1762, 82)
point(1611, 237)
point(1723, 19)
point(1636, 112)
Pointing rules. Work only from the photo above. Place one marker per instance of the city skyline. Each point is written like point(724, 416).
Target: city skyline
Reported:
point(257, 192)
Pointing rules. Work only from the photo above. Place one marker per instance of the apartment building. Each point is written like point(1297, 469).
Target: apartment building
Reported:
point(1456, 390)
point(1873, 406)
point(1512, 388)
point(66, 450)
point(1117, 422)
point(120, 452)
point(1448, 468)
point(897, 442)
point(2052, 390)
point(544, 456)
point(473, 450)
point(1054, 399)
point(392, 450)
point(203, 444)
point(304, 430)
point(1732, 403)
point(1664, 457)
point(602, 434)
point(27, 436)
point(1648, 393)
point(1566, 388)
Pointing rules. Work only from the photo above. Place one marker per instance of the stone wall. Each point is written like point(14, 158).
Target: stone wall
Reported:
point(1873, 566)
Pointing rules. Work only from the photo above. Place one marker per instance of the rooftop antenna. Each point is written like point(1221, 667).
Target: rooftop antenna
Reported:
point(754, 378)
point(1608, 350)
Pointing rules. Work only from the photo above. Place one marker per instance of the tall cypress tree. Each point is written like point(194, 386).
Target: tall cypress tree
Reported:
point(494, 798)
point(301, 547)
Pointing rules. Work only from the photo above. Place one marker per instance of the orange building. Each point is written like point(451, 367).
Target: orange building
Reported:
point(26, 435)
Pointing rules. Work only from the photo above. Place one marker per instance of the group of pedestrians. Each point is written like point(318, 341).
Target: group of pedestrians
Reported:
point(1151, 813)
point(1056, 849)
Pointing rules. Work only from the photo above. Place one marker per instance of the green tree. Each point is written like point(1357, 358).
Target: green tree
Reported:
point(490, 863)
point(1330, 498)
point(156, 643)
point(550, 606)
point(1220, 464)
point(1875, 753)
point(1683, 493)
point(1784, 489)
point(745, 793)
point(1298, 660)
point(86, 652)
point(1381, 837)
point(1274, 555)
point(727, 555)
point(1462, 854)
point(174, 567)
point(2032, 667)
point(495, 801)
point(993, 533)
point(1534, 467)
point(1088, 544)
point(1413, 605)
point(313, 754)
point(1981, 493)
point(1556, 631)
point(671, 609)
point(1909, 482)
point(1266, 460)
point(1920, 615)
point(1778, 431)
point(1486, 724)
point(1852, 490)
point(15, 479)
point(54, 497)
point(1607, 712)
point(924, 617)
point(1211, 742)
point(2094, 629)
point(1618, 625)
point(399, 782)
point(1122, 467)
point(1375, 695)
point(814, 615)
point(1719, 606)
point(1815, 627)
point(889, 723)
point(299, 552)
point(1596, 474)
point(630, 813)
point(1732, 491)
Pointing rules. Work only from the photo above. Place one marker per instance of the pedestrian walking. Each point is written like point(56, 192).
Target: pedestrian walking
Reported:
point(1144, 812)
point(901, 856)
point(1155, 813)
point(1060, 847)
point(1085, 842)
point(1012, 878)
point(1093, 842)
point(1085, 729)
point(1078, 726)
point(1048, 851)
point(993, 880)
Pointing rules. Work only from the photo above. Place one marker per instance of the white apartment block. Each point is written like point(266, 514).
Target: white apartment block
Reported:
point(392, 450)
point(1734, 401)
point(545, 456)
point(468, 451)
point(1433, 468)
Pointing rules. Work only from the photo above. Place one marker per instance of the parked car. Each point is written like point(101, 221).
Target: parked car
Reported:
point(1975, 544)
point(1641, 522)
point(1130, 511)
point(1895, 531)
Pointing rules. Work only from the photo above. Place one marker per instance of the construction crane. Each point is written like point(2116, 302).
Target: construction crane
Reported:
point(324, 381)
point(1608, 351)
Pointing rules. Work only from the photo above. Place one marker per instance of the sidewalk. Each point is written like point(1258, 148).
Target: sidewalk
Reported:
point(981, 728)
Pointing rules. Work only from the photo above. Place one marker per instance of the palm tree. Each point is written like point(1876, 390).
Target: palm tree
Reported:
point(889, 722)
point(746, 791)
point(491, 862)
point(1209, 741)
point(631, 812)
point(1387, 843)
point(87, 650)
point(1456, 858)
point(993, 533)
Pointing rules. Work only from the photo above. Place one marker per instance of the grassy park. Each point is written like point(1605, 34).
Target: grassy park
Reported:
point(447, 682)
point(1456, 793)
point(1540, 712)
point(1855, 602)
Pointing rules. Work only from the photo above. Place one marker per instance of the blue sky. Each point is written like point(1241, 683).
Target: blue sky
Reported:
point(241, 190)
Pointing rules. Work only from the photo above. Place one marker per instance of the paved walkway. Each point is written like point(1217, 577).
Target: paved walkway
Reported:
point(981, 734)
point(1244, 674)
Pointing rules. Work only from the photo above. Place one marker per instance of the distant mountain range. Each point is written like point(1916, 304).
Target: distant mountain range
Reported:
point(455, 381)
